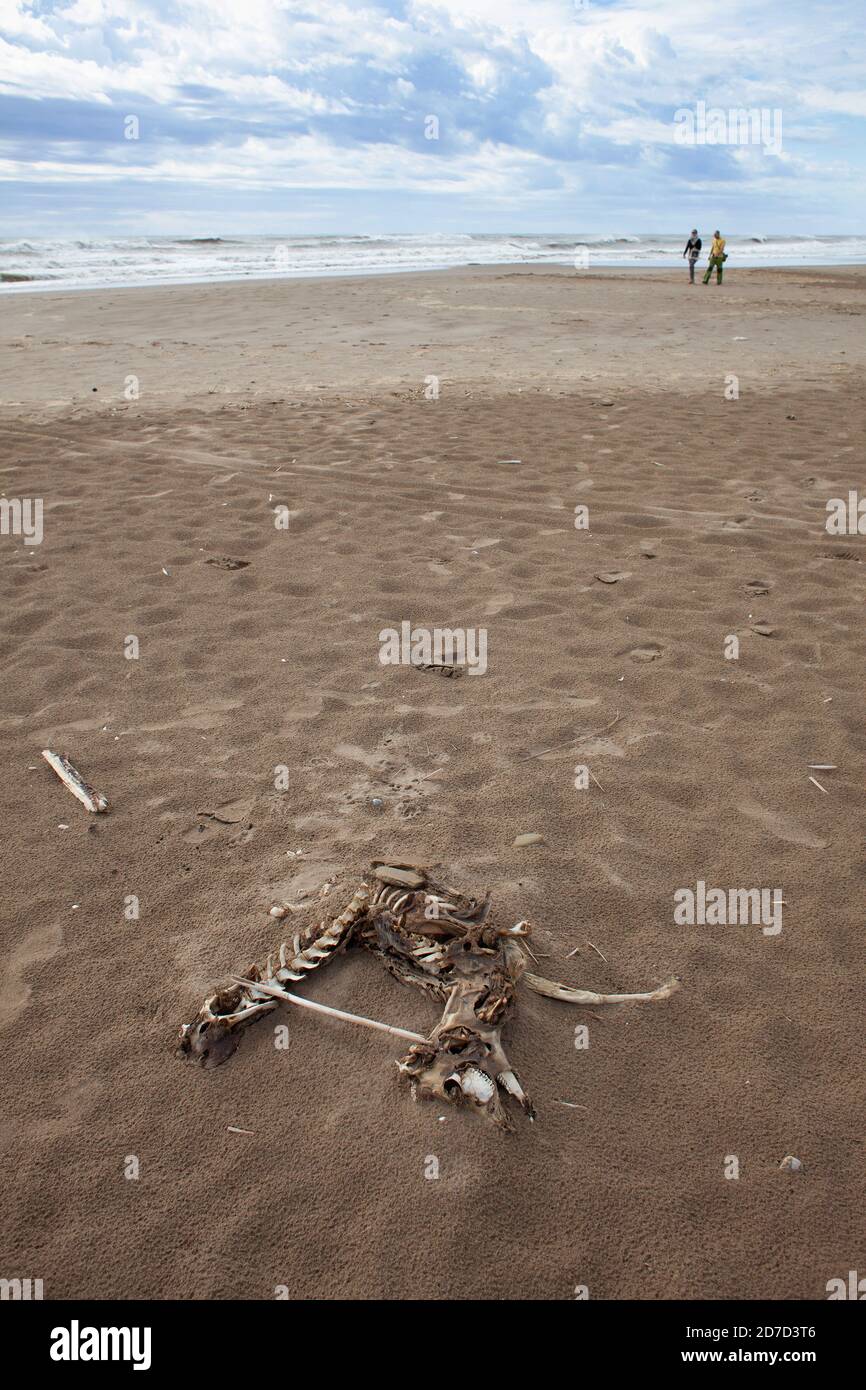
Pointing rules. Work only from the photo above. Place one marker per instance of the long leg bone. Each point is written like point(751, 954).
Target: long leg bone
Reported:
point(551, 989)
point(276, 993)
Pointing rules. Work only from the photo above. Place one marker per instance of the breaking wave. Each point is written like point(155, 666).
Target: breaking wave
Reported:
point(30, 264)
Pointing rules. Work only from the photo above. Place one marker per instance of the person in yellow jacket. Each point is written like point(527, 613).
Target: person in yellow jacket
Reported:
point(717, 258)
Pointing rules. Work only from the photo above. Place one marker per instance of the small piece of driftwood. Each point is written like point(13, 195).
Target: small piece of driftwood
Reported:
point(578, 738)
point(93, 800)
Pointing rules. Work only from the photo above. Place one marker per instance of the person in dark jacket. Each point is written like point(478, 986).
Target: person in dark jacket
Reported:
point(693, 251)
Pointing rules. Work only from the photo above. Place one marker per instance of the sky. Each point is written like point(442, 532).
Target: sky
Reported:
point(329, 116)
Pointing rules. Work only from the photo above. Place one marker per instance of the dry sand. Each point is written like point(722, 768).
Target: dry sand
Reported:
point(311, 395)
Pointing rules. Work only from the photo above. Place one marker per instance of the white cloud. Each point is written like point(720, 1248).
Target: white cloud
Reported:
point(17, 18)
point(308, 162)
point(541, 92)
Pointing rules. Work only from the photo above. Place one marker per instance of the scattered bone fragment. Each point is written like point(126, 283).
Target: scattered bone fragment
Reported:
point(281, 910)
point(400, 877)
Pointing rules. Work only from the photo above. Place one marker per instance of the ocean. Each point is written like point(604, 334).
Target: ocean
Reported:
point(126, 261)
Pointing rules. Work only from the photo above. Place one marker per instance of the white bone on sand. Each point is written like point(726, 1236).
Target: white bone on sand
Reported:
point(93, 800)
point(551, 989)
point(259, 987)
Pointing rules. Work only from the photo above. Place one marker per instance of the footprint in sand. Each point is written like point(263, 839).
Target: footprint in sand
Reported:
point(497, 603)
point(840, 555)
point(564, 701)
point(433, 711)
point(218, 820)
point(591, 747)
point(41, 945)
point(226, 562)
point(781, 826)
point(522, 613)
point(650, 652)
point(194, 717)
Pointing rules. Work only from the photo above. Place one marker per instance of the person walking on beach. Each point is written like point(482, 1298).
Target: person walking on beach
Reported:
point(717, 258)
point(693, 251)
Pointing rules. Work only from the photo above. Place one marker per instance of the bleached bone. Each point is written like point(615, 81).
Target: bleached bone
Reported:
point(94, 801)
point(325, 942)
point(398, 875)
point(551, 989)
point(274, 991)
point(519, 929)
point(394, 898)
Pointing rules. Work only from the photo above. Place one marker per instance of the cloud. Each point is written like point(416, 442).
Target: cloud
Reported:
point(535, 102)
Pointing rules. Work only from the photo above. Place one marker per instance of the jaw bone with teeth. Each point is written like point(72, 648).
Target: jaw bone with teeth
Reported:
point(426, 935)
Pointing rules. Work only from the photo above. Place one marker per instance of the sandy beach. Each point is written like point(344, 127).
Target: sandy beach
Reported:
point(430, 437)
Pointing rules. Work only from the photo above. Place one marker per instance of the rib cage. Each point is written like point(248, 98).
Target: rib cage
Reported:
point(395, 899)
point(314, 946)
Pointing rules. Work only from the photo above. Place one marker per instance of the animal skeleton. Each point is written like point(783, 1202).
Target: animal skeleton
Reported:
point(426, 935)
